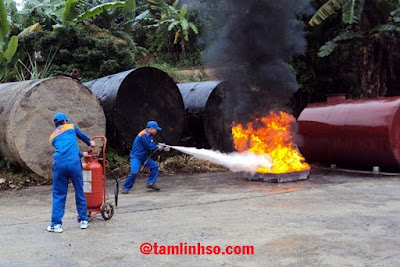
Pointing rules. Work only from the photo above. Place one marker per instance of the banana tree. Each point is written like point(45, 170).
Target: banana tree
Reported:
point(58, 12)
point(352, 11)
point(77, 10)
point(8, 46)
point(177, 20)
point(117, 19)
point(372, 25)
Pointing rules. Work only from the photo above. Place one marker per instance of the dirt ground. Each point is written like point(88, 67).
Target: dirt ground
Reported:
point(331, 219)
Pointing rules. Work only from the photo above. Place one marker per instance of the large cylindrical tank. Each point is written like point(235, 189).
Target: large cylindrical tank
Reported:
point(352, 133)
point(195, 96)
point(132, 98)
point(211, 107)
point(26, 119)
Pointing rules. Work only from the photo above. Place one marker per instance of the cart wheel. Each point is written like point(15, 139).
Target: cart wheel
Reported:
point(107, 211)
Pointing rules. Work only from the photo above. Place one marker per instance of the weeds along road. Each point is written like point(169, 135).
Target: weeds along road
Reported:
point(331, 219)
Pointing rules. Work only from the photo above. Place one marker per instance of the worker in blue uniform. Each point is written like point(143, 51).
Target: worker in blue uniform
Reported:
point(142, 146)
point(67, 165)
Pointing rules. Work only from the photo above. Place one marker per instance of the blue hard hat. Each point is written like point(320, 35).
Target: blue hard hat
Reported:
point(153, 124)
point(61, 117)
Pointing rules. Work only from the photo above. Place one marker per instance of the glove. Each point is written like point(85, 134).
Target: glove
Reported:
point(92, 143)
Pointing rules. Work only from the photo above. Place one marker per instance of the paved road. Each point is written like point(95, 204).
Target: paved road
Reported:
point(331, 219)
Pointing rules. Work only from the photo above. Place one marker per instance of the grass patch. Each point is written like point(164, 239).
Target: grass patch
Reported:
point(169, 69)
point(177, 75)
point(12, 177)
point(186, 164)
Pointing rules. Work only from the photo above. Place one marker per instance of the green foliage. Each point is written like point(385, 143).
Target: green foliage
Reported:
point(395, 15)
point(345, 36)
point(55, 13)
point(186, 164)
point(13, 177)
point(329, 46)
point(95, 52)
point(386, 28)
point(4, 26)
point(47, 13)
point(117, 162)
point(37, 69)
point(8, 47)
point(327, 10)
point(160, 44)
point(169, 69)
point(5, 164)
point(33, 28)
point(327, 49)
point(178, 20)
point(386, 7)
point(351, 14)
point(116, 15)
point(171, 34)
point(173, 38)
point(96, 10)
point(69, 13)
point(352, 11)
point(11, 49)
point(129, 9)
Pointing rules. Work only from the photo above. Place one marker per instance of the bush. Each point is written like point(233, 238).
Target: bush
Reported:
point(95, 52)
point(117, 163)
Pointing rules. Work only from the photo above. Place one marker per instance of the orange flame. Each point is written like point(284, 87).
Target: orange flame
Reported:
point(271, 135)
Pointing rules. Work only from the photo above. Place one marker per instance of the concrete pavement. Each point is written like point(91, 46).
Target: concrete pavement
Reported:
point(330, 219)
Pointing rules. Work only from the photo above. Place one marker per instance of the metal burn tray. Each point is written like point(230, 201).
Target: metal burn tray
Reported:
point(277, 177)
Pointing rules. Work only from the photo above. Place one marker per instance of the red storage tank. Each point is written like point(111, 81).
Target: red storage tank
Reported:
point(352, 133)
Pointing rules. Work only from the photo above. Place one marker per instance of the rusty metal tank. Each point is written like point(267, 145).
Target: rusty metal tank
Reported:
point(352, 133)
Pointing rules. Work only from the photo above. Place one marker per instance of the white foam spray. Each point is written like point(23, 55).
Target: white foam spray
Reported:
point(235, 161)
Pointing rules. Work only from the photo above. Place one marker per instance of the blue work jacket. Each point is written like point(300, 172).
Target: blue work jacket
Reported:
point(143, 145)
point(64, 140)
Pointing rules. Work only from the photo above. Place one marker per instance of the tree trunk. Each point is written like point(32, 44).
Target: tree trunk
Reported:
point(378, 64)
point(183, 47)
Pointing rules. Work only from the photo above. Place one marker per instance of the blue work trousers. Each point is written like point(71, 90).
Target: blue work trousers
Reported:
point(135, 166)
point(62, 172)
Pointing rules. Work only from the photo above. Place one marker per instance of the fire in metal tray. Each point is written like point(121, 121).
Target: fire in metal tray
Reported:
point(272, 135)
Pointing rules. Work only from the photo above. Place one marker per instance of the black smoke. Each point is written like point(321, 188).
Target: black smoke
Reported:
point(249, 42)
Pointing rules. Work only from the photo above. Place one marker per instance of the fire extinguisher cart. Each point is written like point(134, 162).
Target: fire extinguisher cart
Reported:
point(94, 182)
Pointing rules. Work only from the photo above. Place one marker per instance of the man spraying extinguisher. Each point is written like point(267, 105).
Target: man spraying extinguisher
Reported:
point(141, 150)
point(67, 165)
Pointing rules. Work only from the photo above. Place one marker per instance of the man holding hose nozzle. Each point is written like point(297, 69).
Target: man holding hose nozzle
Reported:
point(140, 155)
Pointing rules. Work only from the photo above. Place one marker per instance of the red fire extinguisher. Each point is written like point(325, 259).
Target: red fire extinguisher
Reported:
point(94, 182)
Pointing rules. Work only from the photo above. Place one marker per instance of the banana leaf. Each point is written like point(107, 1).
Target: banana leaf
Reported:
point(4, 26)
point(327, 10)
point(94, 11)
